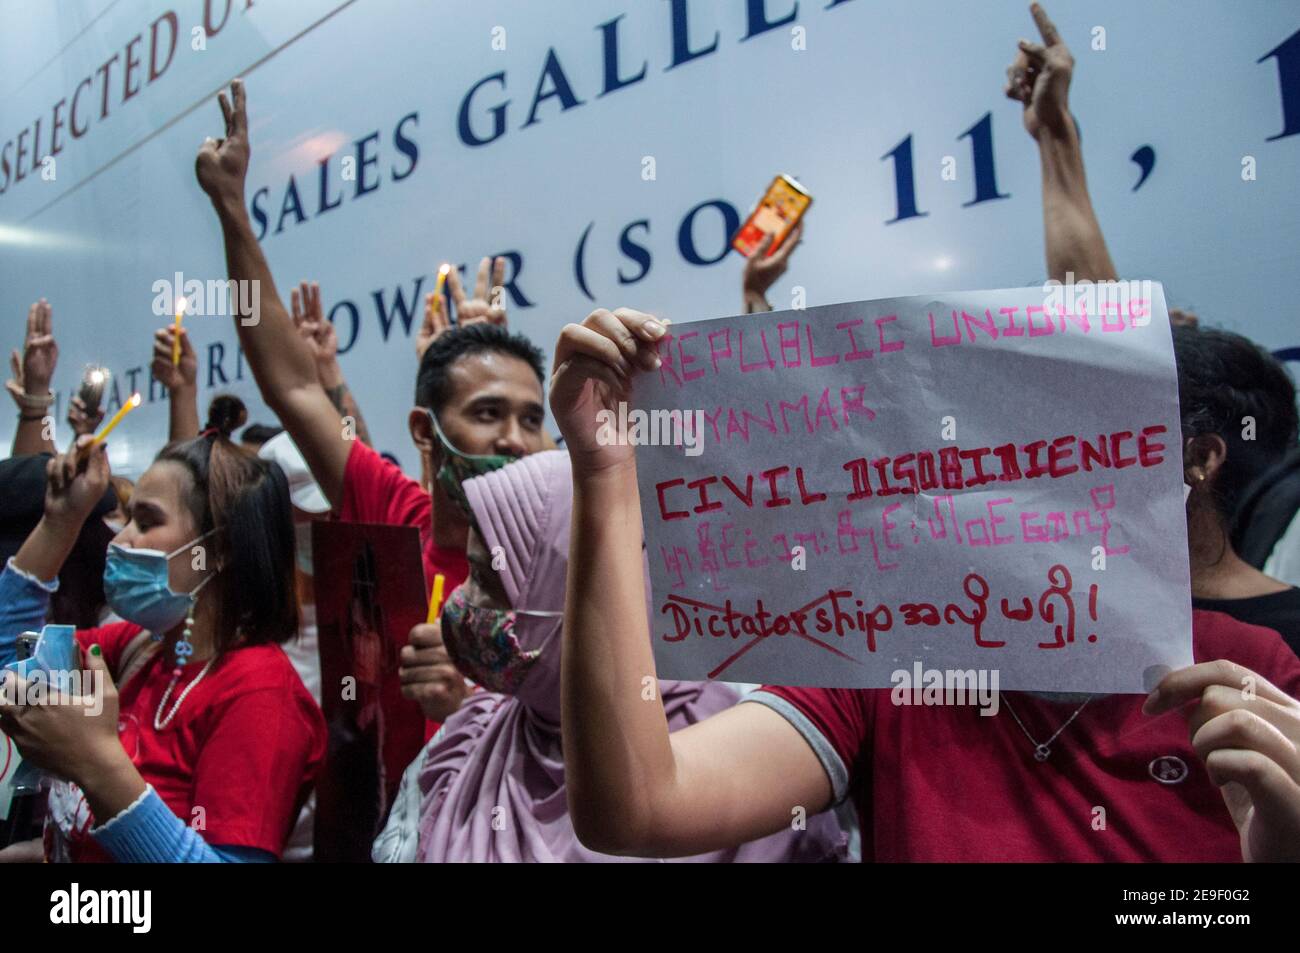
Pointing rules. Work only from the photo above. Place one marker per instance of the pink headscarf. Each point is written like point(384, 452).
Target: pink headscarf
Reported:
point(492, 785)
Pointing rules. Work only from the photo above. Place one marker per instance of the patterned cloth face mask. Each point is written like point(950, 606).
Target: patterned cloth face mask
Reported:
point(457, 467)
point(482, 643)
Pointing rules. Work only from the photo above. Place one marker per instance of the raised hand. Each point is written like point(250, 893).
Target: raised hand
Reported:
point(435, 322)
point(488, 303)
point(74, 482)
point(81, 420)
point(1039, 77)
point(309, 319)
point(174, 377)
point(763, 270)
point(222, 164)
point(34, 368)
point(594, 365)
point(1247, 731)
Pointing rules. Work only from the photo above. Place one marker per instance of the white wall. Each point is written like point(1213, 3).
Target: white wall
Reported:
point(123, 210)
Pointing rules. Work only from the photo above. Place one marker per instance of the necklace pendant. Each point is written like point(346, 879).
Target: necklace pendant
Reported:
point(1041, 752)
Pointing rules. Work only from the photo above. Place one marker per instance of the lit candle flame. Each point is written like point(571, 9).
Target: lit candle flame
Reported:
point(129, 406)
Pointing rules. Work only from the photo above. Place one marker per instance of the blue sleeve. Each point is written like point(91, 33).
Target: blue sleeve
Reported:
point(148, 832)
point(24, 603)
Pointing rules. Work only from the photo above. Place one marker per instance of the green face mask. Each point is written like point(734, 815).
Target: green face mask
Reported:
point(457, 467)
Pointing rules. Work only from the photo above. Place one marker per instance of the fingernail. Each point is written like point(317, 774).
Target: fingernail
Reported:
point(94, 650)
point(1150, 701)
point(658, 362)
point(656, 329)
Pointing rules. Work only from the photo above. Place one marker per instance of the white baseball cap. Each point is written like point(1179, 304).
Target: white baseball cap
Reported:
point(304, 492)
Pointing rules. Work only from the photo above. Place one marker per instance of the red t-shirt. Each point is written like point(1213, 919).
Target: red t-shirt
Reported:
point(245, 745)
point(375, 491)
point(945, 783)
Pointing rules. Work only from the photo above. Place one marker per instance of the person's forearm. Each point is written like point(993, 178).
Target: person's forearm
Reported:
point(282, 362)
point(183, 411)
point(340, 395)
point(146, 831)
point(24, 604)
point(46, 548)
point(109, 780)
point(277, 355)
point(618, 755)
point(35, 408)
point(31, 435)
point(1073, 235)
point(755, 303)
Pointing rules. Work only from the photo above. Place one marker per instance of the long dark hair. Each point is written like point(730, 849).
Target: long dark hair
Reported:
point(246, 499)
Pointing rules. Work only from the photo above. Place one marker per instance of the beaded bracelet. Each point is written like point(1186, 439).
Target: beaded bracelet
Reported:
point(34, 401)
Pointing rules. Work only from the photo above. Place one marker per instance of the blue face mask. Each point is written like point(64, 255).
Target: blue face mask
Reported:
point(138, 589)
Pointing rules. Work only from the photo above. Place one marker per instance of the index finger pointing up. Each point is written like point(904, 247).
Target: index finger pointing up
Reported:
point(1045, 26)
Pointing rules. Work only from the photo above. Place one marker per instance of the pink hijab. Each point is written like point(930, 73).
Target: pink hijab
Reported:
point(492, 783)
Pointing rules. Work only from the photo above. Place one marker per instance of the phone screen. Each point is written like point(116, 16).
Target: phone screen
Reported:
point(778, 212)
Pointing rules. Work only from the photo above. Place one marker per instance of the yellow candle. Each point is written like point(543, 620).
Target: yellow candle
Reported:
point(435, 603)
point(176, 335)
point(129, 406)
point(442, 279)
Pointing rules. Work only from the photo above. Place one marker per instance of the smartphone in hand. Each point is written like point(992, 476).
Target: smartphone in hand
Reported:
point(777, 212)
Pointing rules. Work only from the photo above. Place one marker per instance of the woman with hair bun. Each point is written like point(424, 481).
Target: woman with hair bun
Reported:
point(205, 744)
point(226, 414)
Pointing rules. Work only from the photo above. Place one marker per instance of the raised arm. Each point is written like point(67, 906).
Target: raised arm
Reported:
point(30, 384)
point(1040, 79)
point(181, 381)
point(321, 338)
point(762, 270)
point(280, 359)
point(75, 482)
point(632, 787)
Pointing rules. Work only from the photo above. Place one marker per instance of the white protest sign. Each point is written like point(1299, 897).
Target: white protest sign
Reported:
point(984, 480)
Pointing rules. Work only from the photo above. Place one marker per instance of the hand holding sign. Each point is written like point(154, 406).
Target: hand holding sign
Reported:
point(594, 365)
